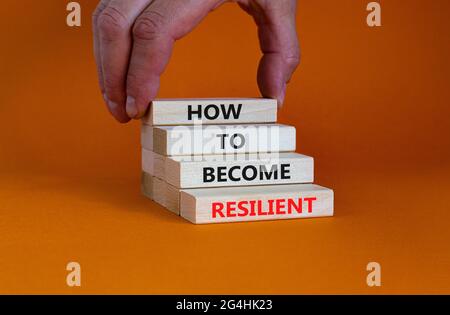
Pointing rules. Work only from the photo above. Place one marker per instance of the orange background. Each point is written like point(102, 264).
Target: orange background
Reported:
point(370, 104)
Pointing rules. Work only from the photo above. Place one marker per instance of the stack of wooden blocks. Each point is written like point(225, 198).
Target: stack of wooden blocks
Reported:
point(227, 160)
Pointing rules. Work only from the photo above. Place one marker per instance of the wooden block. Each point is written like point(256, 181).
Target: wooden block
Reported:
point(153, 163)
point(173, 199)
point(219, 139)
point(153, 188)
point(161, 192)
point(211, 111)
point(147, 185)
point(252, 203)
point(147, 137)
point(238, 170)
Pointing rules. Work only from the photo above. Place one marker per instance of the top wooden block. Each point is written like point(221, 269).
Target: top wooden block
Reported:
point(211, 111)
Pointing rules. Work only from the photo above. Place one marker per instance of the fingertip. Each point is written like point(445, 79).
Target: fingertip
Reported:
point(271, 79)
point(112, 106)
point(122, 119)
point(282, 95)
point(116, 110)
point(120, 116)
point(134, 109)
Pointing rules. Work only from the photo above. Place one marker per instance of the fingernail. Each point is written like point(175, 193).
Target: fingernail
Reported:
point(112, 105)
point(132, 110)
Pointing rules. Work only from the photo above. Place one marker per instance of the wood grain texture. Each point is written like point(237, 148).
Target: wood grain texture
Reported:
point(172, 195)
point(252, 203)
point(147, 185)
point(218, 139)
point(237, 170)
point(211, 111)
point(153, 163)
point(161, 192)
point(154, 188)
point(147, 137)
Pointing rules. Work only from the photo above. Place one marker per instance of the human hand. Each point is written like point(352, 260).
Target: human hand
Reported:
point(133, 41)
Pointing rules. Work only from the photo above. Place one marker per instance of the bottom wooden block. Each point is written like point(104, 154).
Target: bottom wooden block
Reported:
point(244, 203)
point(252, 203)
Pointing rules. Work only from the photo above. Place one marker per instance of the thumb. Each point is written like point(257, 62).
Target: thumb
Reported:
point(276, 21)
